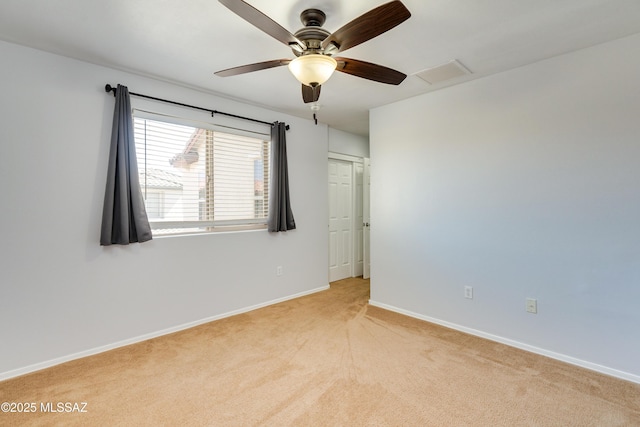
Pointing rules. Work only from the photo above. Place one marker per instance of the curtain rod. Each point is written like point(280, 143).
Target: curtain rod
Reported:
point(108, 88)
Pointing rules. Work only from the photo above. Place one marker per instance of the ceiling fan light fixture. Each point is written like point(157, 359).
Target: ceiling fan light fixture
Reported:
point(314, 69)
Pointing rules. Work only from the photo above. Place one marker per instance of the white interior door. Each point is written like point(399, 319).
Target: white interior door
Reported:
point(366, 219)
point(340, 219)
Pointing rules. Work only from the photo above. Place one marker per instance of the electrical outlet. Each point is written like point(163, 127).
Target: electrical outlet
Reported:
point(532, 305)
point(468, 292)
point(279, 270)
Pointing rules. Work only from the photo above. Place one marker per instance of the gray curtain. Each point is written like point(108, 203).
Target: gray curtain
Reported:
point(280, 214)
point(124, 218)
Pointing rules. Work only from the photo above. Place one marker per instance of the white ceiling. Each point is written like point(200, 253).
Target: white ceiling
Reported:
point(186, 41)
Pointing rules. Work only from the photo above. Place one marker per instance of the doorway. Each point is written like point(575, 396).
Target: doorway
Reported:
point(348, 217)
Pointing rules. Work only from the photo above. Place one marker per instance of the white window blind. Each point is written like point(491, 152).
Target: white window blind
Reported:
point(195, 179)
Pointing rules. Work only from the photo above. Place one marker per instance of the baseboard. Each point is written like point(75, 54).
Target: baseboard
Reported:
point(57, 361)
point(522, 346)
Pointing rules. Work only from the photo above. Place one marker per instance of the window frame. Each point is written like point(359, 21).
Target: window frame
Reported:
point(198, 227)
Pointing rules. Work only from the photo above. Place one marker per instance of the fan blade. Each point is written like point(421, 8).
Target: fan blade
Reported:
point(249, 68)
point(264, 23)
point(370, 71)
point(367, 26)
point(310, 94)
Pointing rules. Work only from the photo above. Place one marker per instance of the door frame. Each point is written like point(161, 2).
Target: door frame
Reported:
point(366, 217)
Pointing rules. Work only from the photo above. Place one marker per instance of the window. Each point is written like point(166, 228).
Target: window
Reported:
point(196, 179)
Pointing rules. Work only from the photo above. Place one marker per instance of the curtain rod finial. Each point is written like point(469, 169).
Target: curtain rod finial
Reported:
point(108, 88)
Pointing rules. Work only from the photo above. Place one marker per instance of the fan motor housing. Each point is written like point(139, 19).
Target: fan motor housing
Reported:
point(312, 34)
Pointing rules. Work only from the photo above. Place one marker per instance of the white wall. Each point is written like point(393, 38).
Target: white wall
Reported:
point(522, 184)
point(61, 294)
point(347, 143)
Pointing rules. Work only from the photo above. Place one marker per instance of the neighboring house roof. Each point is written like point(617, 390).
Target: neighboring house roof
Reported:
point(190, 153)
point(158, 178)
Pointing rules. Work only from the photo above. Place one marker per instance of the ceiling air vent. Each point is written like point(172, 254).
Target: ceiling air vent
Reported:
point(440, 73)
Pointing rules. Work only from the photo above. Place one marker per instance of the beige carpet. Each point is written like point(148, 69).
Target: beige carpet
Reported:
point(327, 359)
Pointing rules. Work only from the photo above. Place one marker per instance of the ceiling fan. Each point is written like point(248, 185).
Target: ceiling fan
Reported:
point(314, 47)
